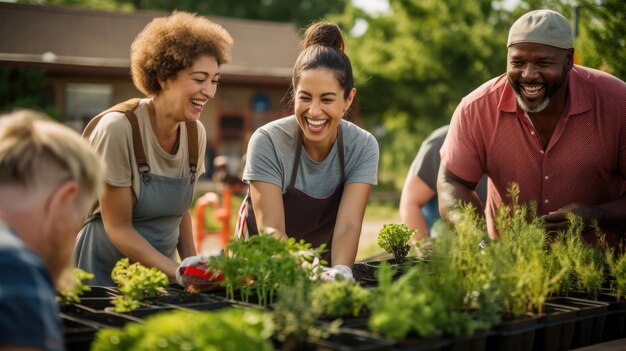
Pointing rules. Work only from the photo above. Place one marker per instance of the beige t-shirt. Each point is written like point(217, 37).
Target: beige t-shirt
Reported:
point(113, 139)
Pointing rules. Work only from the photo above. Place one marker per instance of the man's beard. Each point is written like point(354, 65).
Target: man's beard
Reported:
point(546, 100)
point(534, 109)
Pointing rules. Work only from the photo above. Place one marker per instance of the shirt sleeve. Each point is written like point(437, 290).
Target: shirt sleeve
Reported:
point(262, 162)
point(112, 138)
point(460, 152)
point(426, 163)
point(366, 170)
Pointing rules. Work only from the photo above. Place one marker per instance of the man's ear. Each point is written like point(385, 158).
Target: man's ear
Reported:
point(62, 196)
point(570, 59)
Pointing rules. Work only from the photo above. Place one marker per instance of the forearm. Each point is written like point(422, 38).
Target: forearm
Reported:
point(137, 248)
point(453, 192)
point(345, 244)
point(413, 217)
point(347, 231)
point(186, 246)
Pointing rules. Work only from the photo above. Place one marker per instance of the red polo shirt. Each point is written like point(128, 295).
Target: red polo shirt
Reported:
point(585, 161)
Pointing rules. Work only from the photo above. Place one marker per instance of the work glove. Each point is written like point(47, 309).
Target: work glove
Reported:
point(193, 273)
point(337, 272)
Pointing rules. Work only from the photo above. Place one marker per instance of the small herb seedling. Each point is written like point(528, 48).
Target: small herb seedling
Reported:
point(393, 238)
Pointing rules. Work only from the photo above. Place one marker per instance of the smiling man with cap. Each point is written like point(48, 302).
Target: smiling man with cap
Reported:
point(556, 129)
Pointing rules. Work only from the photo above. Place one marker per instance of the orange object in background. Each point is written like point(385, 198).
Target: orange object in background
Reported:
point(221, 214)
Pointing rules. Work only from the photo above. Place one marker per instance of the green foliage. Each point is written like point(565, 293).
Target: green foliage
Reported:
point(263, 263)
point(136, 282)
point(227, 329)
point(412, 67)
point(299, 12)
point(393, 238)
point(583, 264)
point(72, 295)
point(602, 29)
point(294, 316)
point(25, 88)
point(617, 270)
point(521, 273)
point(339, 298)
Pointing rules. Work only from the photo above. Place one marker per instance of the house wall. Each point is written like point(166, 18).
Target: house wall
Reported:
point(233, 103)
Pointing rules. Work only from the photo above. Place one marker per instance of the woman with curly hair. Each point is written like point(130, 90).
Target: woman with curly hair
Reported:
point(154, 148)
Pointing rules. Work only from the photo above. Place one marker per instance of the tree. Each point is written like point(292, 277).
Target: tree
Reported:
point(299, 12)
point(413, 66)
point(601, 42)
point(25, 88)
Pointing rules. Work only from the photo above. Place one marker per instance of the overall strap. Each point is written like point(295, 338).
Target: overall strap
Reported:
point(128, 109)
point(192, 146)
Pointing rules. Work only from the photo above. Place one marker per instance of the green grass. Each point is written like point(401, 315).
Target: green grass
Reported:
point(382, 211)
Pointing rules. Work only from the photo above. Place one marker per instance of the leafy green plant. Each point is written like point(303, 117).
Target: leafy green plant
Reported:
point(263, 263)
point(136, 282)
point(73, 293)
point(520, 262)
point(393, 238)
point(617, 270)
point(584, 264)
point(407, 305)
point(295, 316)
point(226, 329)
point(339, 298)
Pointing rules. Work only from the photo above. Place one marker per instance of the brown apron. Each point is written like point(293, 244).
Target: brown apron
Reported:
point(307, 217)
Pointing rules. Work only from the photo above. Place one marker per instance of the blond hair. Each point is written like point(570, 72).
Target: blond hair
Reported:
point(36, 151)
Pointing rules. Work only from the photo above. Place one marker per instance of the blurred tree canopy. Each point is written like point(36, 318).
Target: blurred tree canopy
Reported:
point(299, 12)
point(413, 66)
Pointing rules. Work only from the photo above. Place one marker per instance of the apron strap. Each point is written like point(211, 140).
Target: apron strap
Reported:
point(296, 161)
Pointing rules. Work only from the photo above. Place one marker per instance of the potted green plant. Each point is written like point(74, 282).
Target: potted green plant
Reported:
point(76, 288)
point(226, 329)
point(394, 239)
point(263, 263)
point(340, 299)
point(136, 282)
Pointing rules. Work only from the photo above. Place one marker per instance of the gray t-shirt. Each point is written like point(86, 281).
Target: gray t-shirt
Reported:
point(272, 150)
point(426, 162)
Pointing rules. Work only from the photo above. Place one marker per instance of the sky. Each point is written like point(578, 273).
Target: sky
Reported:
point(381, 6)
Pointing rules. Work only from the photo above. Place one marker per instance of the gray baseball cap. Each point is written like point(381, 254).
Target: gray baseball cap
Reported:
point(542, 27)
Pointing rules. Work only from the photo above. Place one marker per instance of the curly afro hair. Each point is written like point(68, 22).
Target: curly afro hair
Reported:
point(170, 44)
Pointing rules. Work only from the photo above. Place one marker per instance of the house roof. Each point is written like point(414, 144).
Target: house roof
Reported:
point(84, 39)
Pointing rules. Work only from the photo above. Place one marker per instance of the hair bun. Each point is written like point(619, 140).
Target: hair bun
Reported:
point(323, 34)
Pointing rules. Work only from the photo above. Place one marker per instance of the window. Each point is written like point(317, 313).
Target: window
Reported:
point(84, 101)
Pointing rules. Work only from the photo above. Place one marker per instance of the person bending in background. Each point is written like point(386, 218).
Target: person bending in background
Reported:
point(49, 178)
point(419, 208)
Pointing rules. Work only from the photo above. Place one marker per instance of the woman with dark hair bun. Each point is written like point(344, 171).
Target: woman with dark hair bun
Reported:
point(310, 174)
